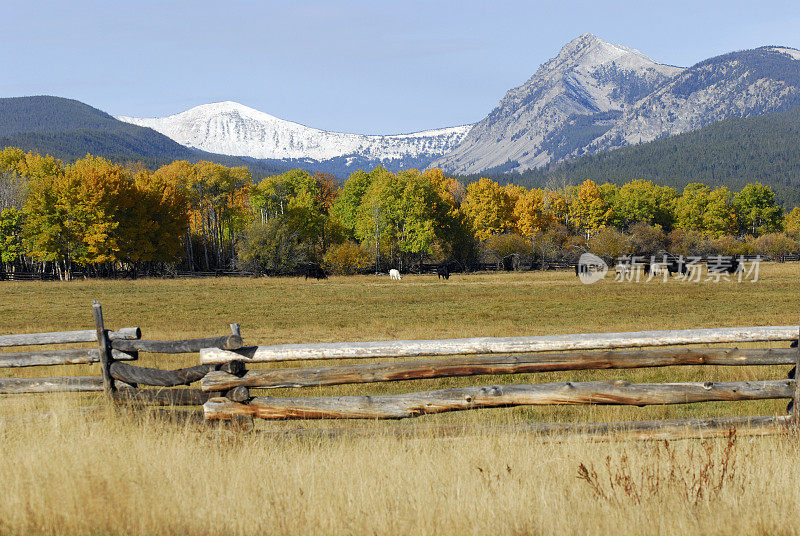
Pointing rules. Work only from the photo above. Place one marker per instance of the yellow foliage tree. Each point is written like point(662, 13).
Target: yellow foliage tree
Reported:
point(588, 210)
point(532, 213)
point(489, 208)
point(791, 223)
point(72, 217)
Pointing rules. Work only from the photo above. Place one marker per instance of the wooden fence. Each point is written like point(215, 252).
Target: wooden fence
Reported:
point(119, 380)
point(225, 382)
point(479, 356)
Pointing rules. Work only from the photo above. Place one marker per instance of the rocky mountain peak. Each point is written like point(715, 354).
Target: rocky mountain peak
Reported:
point(589, 76)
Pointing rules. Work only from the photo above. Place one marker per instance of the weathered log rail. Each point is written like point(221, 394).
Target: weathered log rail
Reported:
point(66, 337)
point(483, 365)
point(65, 384)
point(603, 431)
point(497, 345)
point(188, 346)
point(69, 356)
point(494, 396)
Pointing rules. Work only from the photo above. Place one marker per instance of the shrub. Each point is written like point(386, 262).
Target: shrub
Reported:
point(610, 243)
point(775, 245)
point(556, 243)
point(346, 258)
point(273, 248)
point(728, 245)
point(507, 248)
point(687, 243)
point(647, 239)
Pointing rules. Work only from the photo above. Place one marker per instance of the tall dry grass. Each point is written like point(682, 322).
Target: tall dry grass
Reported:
point(127, 475)
point(78, 473)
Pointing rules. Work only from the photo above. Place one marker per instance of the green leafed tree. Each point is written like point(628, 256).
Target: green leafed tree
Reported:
point(10, 236)
point(710, 212)
point(756, 210)
point(643, 201)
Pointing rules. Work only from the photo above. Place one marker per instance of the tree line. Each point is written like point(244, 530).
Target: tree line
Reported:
point(106, 219)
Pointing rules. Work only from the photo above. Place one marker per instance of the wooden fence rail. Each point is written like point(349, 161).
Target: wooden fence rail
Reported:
point(217, 380)
point(188, 346)
point(120, 381)
point(498, 345)
point(494, 396)
point(534, 354)
point(645, 430)
point(70, 356)
point(65, 337)
point(65, 384)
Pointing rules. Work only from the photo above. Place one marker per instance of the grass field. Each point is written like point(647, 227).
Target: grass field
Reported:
point(122, 474)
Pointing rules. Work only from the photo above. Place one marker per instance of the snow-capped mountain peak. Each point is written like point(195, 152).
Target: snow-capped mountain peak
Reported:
point(235, 129)
point(588, 50)
point(588, 76)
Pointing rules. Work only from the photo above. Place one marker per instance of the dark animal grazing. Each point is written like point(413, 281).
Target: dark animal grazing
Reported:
point(677, 267)
point(442, 271)
point(734, 267)
point(315, 271)
point(729, 265)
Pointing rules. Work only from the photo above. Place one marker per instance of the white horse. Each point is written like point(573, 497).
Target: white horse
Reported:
point(394, 274)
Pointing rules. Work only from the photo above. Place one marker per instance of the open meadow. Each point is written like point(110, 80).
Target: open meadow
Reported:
point(122, 474)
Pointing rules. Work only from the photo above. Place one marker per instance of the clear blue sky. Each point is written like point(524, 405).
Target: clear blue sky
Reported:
point(361, 66)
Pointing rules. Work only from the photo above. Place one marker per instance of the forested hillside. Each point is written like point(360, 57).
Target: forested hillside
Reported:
point(732, 152)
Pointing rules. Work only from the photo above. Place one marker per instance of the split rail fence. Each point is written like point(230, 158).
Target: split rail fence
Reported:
point(120, 381)
point(226, 383)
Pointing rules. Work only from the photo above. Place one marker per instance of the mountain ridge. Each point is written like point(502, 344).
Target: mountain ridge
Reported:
point(592, 97)
point(231, 128)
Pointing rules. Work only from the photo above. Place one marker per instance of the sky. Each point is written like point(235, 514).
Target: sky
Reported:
point(371, 67)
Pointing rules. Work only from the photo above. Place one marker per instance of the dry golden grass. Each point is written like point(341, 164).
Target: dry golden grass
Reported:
point(120, 474)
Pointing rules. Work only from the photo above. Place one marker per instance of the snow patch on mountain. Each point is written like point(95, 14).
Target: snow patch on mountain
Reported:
point(234, 129)
point(791, 52)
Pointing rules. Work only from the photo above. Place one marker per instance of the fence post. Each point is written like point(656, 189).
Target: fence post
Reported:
point(796, 397)
point(105, 351)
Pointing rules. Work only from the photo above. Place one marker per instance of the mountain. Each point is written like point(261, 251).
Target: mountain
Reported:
point(739, 84)
point(73, 128)
point(596, 96)
point(571, 100)
point(234, 129)
point(731, 152)
point(68, 129)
